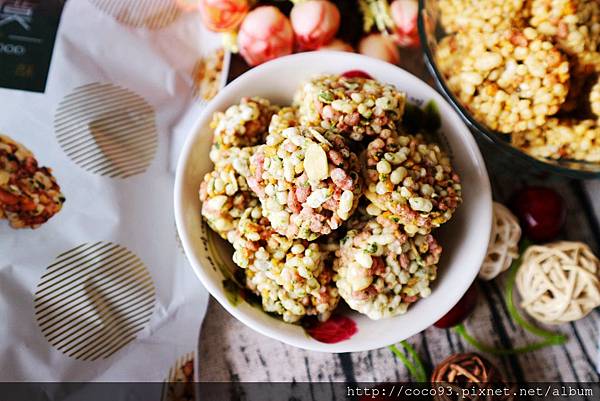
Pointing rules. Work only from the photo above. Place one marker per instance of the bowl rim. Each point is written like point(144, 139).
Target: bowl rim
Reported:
point(484, 191)
point(474, 125)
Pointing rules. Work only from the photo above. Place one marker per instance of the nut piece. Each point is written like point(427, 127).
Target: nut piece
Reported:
point(315, 163)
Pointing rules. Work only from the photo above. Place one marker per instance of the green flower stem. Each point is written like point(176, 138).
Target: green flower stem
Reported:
point(409, 365)
point(419, 364)
point(461, 330)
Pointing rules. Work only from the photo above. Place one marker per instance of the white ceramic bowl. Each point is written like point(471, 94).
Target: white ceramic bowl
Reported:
point(464, 238)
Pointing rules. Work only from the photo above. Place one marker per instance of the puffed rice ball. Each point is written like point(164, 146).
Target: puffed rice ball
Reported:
point(353, 107)
point(449, 53)
point(511, 80)
point(288, 275)
point(562, 139)
point(480, 15)
point(225, 195)
point(241, 125)
point(413, 180)
point(29, 194)
point(381, 270)
point(308, 181)
point(286, 117)
point(574, 24)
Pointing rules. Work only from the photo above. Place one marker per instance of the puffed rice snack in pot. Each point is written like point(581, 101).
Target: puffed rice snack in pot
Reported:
point(381, 270)
point(595, 98)
point(411, 182)
point(511, 80)
point(573, 24)
point(225, 194)
point(562, 139)
point(289, 276)
point(308, 181)
point(354, 107)
point(448, 54)
point(478, 15)
point(241, 125)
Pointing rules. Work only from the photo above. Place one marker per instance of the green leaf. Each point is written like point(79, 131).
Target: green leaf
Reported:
point(432, 118)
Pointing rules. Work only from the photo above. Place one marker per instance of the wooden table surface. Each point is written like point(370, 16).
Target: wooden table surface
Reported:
point(230, 351)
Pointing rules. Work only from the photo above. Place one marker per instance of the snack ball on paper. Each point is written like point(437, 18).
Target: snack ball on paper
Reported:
point(29, 194)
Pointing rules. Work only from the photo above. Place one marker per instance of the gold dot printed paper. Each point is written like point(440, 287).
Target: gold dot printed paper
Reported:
point(102, 291)
point(151, 14)
point(107, 130)
point(93, 300)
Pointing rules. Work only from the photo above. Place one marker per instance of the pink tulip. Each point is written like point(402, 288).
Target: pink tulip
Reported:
point(379, 46)
point(404, 14)
point(315, 23)
point(338, 45)
point(188, 5)
point(223, 15)
point(264, 35)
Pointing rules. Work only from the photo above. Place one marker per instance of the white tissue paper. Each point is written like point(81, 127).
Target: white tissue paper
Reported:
point(103, 291)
